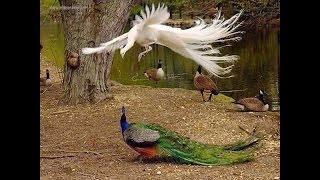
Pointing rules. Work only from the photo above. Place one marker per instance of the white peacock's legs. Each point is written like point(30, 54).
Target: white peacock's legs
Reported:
point(147, 49)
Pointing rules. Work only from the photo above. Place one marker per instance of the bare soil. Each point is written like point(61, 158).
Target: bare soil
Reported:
point(85, 142)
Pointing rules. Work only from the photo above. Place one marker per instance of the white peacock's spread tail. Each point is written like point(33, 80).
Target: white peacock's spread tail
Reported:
point(194, 43)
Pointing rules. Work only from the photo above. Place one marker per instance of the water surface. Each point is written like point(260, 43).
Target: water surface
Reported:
point(257, 68)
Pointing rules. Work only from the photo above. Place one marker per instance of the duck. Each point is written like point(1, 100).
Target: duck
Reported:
point(203, 82)
point(257, 103)
point(155, 74)
point(46, 81)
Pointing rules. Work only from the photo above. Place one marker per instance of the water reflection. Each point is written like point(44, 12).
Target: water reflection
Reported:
point(52, 39)
point(258, 67)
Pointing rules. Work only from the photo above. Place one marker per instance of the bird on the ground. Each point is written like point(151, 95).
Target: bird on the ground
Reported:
point(151, 140)
point(193, 43)
point(204, 83)
point(257, 103)
point(46, 81)
point(155, 74)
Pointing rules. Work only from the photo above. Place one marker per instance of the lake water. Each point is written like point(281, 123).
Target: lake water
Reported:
point(257, 68)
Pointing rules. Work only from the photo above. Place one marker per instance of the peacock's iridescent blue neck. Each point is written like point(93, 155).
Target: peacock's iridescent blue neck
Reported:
point(123, 122)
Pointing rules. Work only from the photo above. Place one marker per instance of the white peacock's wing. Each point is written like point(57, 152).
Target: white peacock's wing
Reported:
point(112, 45)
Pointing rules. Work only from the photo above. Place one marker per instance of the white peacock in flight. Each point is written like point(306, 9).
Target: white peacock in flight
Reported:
point(193, 43)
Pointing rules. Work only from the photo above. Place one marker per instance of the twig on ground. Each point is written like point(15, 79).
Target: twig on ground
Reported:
point(237, 90)
point(244, 130)
point(55, 157)
point(64, 142)
point(253, 132)
point(44, 91)
point(87, 152)
point(60, 112)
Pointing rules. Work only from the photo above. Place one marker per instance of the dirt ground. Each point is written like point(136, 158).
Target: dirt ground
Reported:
point(84, 141)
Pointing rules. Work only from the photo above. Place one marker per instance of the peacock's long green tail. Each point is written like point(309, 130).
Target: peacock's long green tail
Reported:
point(177, 146)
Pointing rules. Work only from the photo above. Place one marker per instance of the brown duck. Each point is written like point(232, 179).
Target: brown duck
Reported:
point(203, 82)
point(257, 103)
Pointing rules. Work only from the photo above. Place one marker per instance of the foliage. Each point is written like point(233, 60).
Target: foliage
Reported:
point(172, 4)
point(45, 6)
point(135, 10)
point(256, 11)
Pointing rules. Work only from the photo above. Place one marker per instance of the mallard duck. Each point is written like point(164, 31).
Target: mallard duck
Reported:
point(46, 81)
point(155, 74)
point(257, 103)
point(203, 82)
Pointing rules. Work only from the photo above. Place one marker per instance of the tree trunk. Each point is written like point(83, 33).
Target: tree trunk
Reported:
point(89, 23)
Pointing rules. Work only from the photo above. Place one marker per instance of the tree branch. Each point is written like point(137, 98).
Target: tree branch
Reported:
point(252, 133)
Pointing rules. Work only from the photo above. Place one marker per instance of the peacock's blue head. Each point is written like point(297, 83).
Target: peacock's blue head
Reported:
point(123, 121)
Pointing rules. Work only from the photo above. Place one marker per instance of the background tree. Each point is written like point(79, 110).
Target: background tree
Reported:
point(89, 23)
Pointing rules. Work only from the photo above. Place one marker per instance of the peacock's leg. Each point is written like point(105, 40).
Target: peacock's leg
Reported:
point(147, 49)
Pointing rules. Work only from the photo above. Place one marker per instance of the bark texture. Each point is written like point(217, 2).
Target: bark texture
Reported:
point(87, 23)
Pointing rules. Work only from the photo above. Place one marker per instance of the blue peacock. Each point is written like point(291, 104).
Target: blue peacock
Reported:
point(152, 140)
